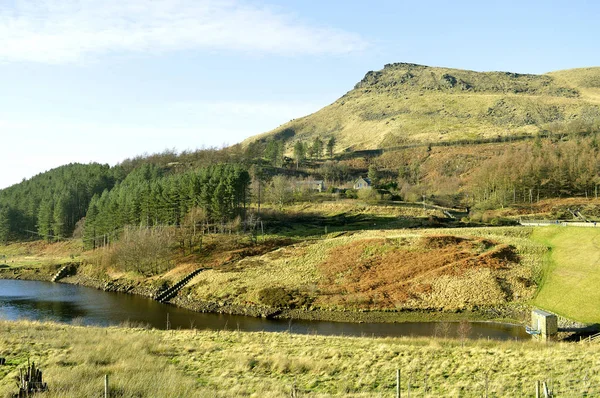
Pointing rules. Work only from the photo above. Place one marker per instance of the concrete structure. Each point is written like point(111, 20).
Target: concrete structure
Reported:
point(544, 325)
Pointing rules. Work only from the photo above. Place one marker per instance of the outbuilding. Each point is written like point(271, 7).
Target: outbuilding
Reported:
point(544, 325)
point(363, 183)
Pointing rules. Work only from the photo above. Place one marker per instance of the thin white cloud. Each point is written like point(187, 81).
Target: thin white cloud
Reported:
point(72, 31)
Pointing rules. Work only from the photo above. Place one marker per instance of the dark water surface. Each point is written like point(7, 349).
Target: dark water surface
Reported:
point(66, 303)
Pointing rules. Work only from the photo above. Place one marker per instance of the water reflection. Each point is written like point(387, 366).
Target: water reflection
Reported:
point(64, 303)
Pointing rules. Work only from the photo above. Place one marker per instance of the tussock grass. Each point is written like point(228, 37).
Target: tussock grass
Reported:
point(75, 359)
point(40, 253)
point(299, 267)
point(151, 363)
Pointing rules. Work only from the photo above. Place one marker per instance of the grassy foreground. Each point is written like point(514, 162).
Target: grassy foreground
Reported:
point(570, 286)
point(152, 363)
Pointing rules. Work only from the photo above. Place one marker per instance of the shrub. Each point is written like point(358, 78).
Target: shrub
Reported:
point(280, 297)
point(144, 250)
point(351, 193)
point(368, 195)
point(502, 221)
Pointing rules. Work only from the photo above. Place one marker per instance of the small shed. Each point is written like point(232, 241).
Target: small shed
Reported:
point(363, 183)
point(313, 185)
point(544, 324)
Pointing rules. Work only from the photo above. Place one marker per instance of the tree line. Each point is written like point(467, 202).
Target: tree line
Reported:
point(539, 170)
point(162, 191)
point(521, 173)
point(148, 197)
point(273, 150)
point(50, 204)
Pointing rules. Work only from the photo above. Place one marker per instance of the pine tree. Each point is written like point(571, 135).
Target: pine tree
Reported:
point(5, 224)
point(59, 219)
point(90, 230)
point(373, 175)
point(299, 153)
point(330, 146)
point(46, 219)
point(317, 148)
point(219, 203)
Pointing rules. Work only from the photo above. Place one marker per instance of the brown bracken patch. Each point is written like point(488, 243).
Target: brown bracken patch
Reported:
point(376, 273)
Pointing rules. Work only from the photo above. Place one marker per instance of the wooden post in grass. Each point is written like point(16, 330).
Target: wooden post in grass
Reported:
point(537, 389)
point(30, 381)
point(546, 391)
point(294, 390)
point(106, 392)
point(398, 394)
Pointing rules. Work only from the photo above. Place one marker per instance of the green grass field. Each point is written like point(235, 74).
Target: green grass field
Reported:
point(570, 285)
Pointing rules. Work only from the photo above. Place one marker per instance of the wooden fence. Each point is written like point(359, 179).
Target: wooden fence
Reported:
point(545, 223)
point(485, 385)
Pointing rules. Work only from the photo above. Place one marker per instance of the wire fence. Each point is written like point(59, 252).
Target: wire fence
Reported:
point(418, 385)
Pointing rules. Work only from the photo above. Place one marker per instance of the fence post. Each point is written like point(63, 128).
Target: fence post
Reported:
point(294, 390)
point(398, 394)
point(537, 389)
point(106, 386)
point(486, 385)
point(546, 391)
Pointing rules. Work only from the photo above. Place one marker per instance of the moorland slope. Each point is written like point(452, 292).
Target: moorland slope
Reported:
point(407, 103)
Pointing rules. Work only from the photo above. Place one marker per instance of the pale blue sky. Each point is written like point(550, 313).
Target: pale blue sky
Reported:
point(92, 80)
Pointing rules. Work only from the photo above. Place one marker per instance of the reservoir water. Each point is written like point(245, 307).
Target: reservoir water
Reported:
point(66, 303)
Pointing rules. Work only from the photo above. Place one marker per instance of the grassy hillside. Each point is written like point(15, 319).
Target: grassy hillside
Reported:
point(357, 259)
point(39, 253)
point(380, 268)
point(570, 286)
point(153, 363)
point(407, 103)
point(586, 80)
point(343, 257)
point(383, 270)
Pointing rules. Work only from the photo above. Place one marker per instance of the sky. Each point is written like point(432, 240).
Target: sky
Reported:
point(105, 80)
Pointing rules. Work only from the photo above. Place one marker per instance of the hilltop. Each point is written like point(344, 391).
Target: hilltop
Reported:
point(405, 104)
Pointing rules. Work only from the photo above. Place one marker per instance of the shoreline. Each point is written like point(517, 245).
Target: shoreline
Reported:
point(510, 315)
